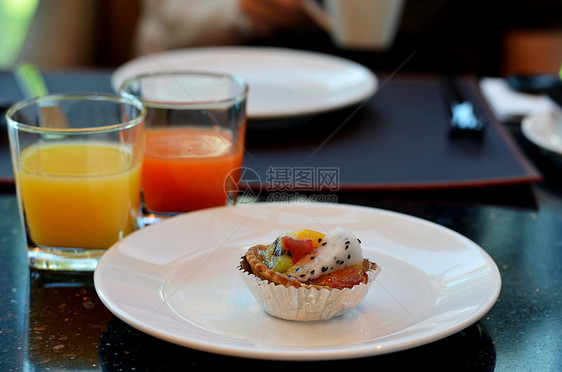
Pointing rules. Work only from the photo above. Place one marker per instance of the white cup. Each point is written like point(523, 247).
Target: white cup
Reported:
point(358, 24)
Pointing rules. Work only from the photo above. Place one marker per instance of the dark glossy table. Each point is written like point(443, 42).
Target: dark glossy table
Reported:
point(57, 322)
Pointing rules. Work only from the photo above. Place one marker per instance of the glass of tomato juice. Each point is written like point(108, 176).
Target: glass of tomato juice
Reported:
point(195, 132)
point(77, 166)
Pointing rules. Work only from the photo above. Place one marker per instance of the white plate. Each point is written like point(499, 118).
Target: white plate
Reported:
point(544, 129)
point(283, 82)
point(178, 281)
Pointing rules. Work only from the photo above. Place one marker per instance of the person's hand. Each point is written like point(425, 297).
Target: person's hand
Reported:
point(267, 16)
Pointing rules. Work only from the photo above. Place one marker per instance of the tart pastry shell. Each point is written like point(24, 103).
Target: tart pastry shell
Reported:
point(287, 298)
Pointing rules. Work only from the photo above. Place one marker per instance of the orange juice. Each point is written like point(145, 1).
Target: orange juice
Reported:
point(185, 168)
point(79, 194)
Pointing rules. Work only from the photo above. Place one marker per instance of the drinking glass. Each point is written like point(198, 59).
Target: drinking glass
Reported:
point(195, 133)
point(77, 167)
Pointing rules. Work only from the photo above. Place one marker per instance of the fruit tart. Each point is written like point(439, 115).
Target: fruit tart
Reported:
point(307, 275)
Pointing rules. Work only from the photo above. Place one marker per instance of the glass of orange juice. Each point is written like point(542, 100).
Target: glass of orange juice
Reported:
point(195, 132)
point(77, 166)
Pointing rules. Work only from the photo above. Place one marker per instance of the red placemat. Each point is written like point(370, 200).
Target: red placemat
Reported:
point(398, 139)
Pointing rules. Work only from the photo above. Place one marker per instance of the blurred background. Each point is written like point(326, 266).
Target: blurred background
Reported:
point(487, 38)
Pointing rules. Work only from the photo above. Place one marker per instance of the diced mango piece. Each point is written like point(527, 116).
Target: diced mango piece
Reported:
point(305, 234)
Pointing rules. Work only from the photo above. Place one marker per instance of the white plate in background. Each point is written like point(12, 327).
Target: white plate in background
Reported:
point(544, 129)
point(283, 82)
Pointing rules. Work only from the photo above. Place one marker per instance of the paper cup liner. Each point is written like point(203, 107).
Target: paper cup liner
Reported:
point(305, 303)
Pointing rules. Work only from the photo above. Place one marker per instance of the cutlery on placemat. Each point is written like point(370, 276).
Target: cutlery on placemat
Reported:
point(464, 120)
point(32, 84)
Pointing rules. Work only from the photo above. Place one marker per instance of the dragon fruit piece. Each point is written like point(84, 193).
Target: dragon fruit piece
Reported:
point(339, 249)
